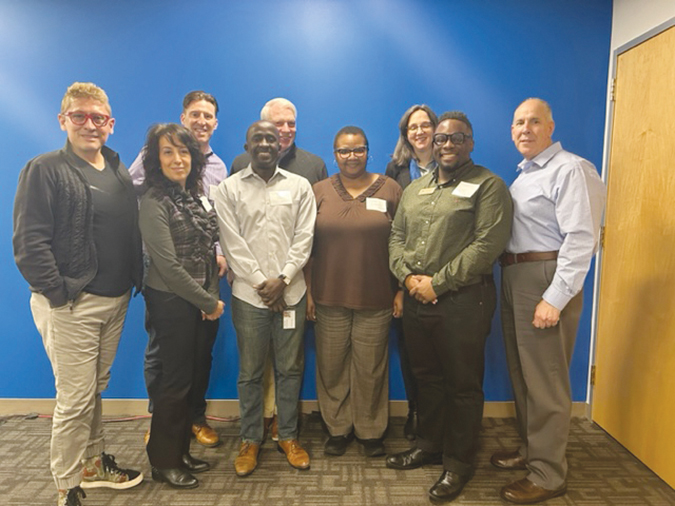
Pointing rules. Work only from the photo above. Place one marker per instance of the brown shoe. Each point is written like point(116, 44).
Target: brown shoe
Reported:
point(508, 460)
point(205, 435)
point(296, 456)
point(525, 492)
point(247, 460)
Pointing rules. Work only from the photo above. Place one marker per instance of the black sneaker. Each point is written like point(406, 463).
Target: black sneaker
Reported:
point(103, 472)
point(71, 497)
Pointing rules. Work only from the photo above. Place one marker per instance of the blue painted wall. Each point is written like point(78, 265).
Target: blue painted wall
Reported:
point(341, 61)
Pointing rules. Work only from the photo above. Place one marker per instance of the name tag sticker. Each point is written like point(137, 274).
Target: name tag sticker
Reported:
point(427, 191)
point(205, 202)
point(465, 189)
point(280, 198)
point(375, 204)
point(289, 319)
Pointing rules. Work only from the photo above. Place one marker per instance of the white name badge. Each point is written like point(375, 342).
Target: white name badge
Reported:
point(375, 204)
point(205, 202)
point(289, 319)
point(280, 198)
point(465, 189)
point(427, 191)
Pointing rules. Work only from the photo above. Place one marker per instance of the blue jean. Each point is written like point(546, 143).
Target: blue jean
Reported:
point(256, 328)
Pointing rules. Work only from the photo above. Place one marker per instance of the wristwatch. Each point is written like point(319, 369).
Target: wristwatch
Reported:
point(285, 279)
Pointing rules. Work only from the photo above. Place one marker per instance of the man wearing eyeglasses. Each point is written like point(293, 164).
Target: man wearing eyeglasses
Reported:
point(76, 241)
point(450, 227)
point(559, 199)
point(200, 116)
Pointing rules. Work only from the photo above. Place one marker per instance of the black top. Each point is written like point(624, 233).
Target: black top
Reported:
point(113, 219)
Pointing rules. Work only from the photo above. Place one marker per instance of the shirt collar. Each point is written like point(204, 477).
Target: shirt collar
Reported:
point(457, 173)
point(248, 172)
point(541, 159)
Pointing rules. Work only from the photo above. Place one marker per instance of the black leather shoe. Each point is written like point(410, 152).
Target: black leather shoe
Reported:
point(448, 486)
point(177, 478)
point(412, 459)
point(410, 427)
point(336, 445)
point(195, 465)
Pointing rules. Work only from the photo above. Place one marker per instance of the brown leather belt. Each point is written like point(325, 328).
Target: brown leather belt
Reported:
point(507, 259)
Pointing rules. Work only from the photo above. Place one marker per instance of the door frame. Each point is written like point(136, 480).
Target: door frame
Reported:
point(609, 124)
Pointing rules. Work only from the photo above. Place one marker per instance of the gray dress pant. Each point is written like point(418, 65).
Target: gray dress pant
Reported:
point(539, 361)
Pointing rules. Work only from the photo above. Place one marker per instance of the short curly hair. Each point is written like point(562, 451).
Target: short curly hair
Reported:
point(84, 90)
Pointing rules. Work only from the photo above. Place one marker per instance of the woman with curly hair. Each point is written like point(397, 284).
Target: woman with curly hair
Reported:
point(179, 231)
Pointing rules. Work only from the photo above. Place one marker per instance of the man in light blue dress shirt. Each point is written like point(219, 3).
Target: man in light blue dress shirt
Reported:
point(558, 202)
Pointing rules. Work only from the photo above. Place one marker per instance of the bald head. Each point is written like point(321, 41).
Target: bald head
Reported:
point(532, 127)
point(262, 143)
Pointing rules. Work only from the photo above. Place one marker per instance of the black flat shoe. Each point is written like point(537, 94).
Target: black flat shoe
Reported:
point(412, 459)
point(194, 465)
point(448, 486)
point(336, 445)
point(177, 478)
point(373, 447)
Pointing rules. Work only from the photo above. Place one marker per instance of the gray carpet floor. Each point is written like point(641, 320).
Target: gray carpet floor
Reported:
point(601, 472)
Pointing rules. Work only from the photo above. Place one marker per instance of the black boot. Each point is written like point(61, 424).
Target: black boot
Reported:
point(410, 427)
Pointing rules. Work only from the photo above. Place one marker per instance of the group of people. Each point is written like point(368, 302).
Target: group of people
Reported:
point(348, 252)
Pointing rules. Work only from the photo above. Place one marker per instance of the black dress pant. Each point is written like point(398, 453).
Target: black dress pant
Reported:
point(406, 371)
point(184, 340)
point(446, 347)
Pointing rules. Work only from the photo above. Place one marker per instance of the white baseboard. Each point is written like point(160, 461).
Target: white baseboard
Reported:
point(227, 408)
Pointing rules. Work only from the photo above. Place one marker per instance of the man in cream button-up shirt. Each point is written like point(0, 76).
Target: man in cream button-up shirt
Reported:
point(266, 217)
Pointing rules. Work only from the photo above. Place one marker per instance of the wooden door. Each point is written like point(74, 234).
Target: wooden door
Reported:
point(634, 393)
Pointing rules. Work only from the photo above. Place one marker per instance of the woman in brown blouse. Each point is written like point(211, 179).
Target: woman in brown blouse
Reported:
point(353, 296)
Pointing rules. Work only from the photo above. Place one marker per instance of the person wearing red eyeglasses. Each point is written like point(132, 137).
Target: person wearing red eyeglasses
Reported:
point(77, 243)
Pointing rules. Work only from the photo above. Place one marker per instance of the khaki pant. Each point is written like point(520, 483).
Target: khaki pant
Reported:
point(81, 342)
point(352, 370)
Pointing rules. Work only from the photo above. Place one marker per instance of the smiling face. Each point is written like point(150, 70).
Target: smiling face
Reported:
point(200, 118)
point(419, 132)
point(532, 128)
point(450, 156)
point(87, 139)
point(174, 159)
point(262, 143)
point(284, 119)
point(354, 165)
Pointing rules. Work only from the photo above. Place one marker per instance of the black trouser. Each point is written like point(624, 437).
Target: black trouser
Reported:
point(183, 340)
point(446, 347)
point(406, 371)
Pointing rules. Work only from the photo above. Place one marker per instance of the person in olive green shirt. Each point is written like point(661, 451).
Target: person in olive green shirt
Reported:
point(450, 227)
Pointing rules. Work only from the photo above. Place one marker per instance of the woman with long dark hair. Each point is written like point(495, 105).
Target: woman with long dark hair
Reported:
point(179, 231)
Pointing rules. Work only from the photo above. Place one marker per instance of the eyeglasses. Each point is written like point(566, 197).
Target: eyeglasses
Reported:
point(427, 125)
point(458, 138)
point(80, 118)
point(358, 152)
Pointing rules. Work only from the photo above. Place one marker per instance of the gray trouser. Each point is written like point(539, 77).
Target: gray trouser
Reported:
point(539, 361)
point(352, 370)
point(81, 342)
